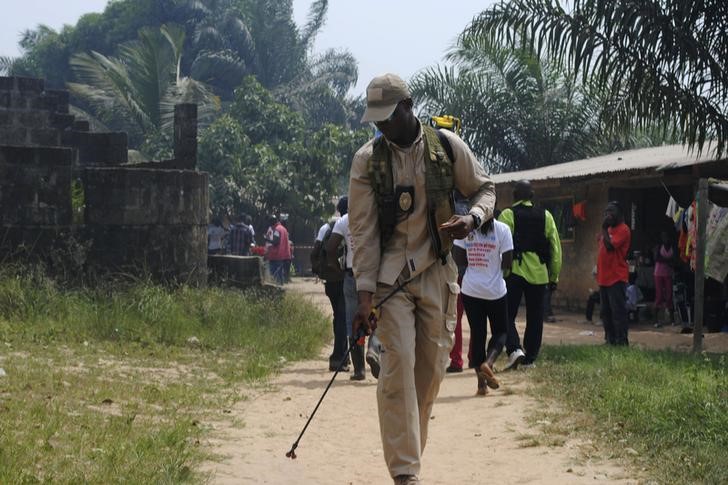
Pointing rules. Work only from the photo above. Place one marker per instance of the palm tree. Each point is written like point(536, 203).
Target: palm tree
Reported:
point(518, 111)
point(222, 50)
point(321, 90)
point(30, 42)
point(236, 38)
point(658, 61)
point(137, 90)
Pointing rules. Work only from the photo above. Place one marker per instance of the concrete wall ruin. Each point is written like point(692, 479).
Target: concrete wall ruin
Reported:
point(148, 219)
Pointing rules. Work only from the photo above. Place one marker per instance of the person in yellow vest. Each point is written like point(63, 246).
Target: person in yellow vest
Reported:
point(402, 222)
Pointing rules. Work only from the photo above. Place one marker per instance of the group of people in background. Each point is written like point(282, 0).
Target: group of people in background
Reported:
point(332, 261)
point(515, 256)
point(236, 236)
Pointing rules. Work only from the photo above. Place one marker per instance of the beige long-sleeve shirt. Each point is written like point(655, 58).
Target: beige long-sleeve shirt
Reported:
point(410, 244)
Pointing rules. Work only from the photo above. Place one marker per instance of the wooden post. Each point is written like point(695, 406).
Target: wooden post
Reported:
point(703, 207)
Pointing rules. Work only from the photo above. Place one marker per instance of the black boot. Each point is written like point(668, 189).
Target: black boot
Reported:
point(357, 358)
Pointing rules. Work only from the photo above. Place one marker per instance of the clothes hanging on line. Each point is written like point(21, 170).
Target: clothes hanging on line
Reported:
point(578, 210)
point(678, 219)
point(672, 208)
point(716, 249)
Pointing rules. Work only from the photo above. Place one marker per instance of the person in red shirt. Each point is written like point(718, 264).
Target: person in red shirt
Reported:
point(613, 274)
point(278, 250)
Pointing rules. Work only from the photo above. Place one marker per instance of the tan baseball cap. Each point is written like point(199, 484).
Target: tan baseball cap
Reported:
point(383, 94)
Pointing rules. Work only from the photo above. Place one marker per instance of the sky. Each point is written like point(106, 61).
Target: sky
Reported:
point(399, 36)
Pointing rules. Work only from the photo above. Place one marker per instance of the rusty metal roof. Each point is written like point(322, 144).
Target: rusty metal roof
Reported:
point(657, 158)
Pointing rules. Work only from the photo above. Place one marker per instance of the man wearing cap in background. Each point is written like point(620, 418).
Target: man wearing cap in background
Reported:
point(402, 222)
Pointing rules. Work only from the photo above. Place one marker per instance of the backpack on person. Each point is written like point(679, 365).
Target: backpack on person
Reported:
point(319, 260)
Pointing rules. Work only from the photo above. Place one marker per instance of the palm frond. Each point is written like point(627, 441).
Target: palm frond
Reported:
point(316, 20)
point(143, 84)
point(187, 90)
point(6, 65)
point(661, 61)
point(219, 67)
point(337, 68)
point(95, 124)
point(106, 82)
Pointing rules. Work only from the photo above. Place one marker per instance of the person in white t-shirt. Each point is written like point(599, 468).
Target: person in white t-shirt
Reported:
point(333, 278)
point(487, 252)
point(341, 233)
point(216, 237)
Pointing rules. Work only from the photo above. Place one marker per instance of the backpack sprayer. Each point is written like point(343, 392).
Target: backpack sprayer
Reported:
point(360, 335)
point(447, 122)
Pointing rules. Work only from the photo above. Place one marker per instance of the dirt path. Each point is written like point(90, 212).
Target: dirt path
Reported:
point(472, 439)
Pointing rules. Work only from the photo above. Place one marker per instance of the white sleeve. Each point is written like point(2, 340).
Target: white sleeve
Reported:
point(506, 238)
point(341, 227)
point(459, 243)
point(322, 232)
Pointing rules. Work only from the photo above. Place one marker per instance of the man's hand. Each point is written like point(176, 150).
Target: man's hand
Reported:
point(458, 227)
point(361, 318)
point(552, 285)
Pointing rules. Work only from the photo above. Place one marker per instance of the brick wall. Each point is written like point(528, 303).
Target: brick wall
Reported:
point(136, 220)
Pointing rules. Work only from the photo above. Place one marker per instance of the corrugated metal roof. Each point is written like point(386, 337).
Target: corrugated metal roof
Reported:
point(657, 158)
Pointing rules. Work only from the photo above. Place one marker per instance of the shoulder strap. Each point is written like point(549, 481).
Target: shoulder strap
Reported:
point(382, 182)
point(446, 145)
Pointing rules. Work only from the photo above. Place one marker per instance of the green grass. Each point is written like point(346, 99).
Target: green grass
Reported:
point(671, 408)
point(108, 385)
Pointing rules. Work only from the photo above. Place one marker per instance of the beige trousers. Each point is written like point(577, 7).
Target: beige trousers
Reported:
point(415, 329)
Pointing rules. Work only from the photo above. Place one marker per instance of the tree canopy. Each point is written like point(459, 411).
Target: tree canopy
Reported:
point(660, 61)
point(265, 160)
point(518, 111)
point(137, 90)
point(278, 124)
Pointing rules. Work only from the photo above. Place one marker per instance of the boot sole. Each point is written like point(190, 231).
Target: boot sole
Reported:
point(373, 365)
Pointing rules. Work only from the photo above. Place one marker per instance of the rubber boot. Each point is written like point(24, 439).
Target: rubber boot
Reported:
point(491, 357)
point(357, 358)
point(372, 356)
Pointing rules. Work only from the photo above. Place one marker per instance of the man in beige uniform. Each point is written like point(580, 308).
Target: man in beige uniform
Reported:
point(416, 325)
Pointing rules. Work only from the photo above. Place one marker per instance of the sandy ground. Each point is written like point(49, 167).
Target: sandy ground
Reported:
point(472, 439)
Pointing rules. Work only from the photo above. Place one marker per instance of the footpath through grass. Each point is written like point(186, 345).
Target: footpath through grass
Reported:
point(123, 383)
point(666, 412)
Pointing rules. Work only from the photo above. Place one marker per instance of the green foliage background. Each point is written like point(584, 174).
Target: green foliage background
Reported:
point(535, 81)
point(277, 126)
